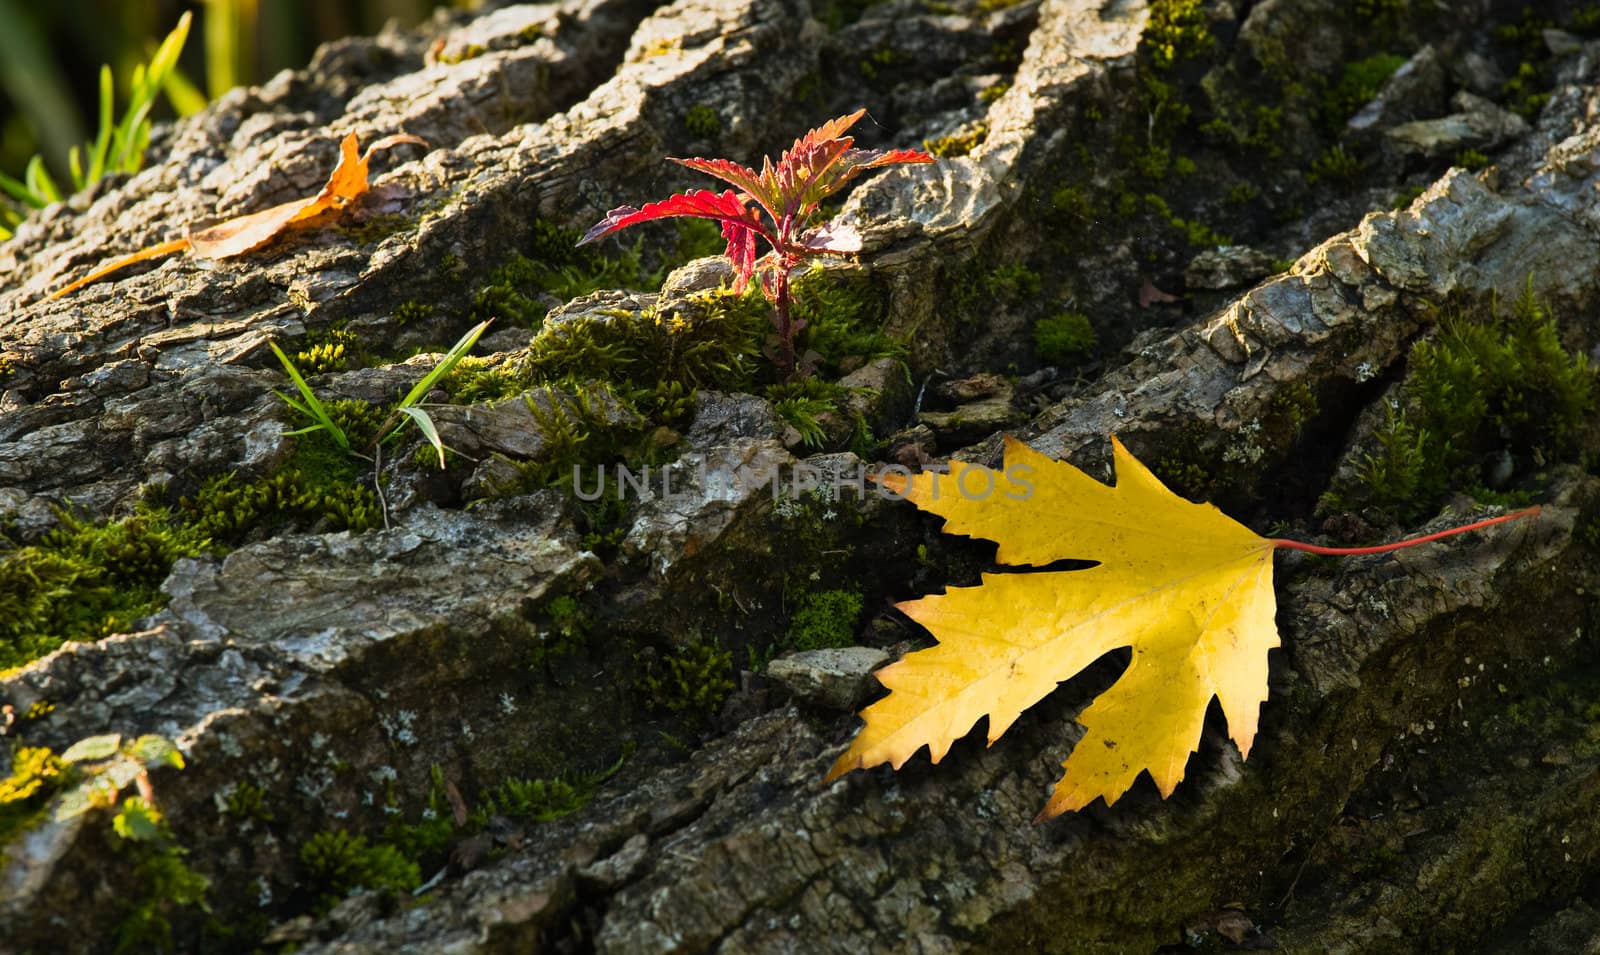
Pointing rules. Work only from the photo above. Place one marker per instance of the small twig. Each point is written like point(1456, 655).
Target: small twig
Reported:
point(377, 483)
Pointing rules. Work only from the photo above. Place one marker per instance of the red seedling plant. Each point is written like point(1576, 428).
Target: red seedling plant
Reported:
point(819, 164)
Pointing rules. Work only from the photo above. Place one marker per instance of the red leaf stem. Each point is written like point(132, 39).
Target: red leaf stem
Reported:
point(1409, 542)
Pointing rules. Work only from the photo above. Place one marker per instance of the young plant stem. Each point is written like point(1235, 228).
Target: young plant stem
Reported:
point(1398, 545)
point(780, 305)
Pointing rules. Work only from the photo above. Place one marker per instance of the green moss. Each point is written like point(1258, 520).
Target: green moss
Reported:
point(469, 52)
point(228, 510)
point(332, 350)
point(692, 680)
point(837, 14)
point(1177, 30)
point(993, 91)
point(337, 864)
point(1336, 167)
point(1294, 407)
point(1357, 85)
point(409, 313)
point(474, 379)
point(36, 775)
point(84, 580)
point(1012, 283)
point(246, 801)
point(544, 800)
point(803, 403)
point(1527, 91)
point(843, 316)
point(1478, 396)
point(1063, 339)
point(825, 619)
point(1195, 232)
point(713, 344)
point(702, 121)
point(878, 61)
point(565, 632)
point(1471, 159)
point(958, 144)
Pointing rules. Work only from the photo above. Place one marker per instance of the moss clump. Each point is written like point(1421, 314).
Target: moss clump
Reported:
point(1177, 30)
point(803, 404)
point(1063, 339)
point(825, 619)
point(1294, 407)
point(1471, 159)
point(333, 350)
point(338, 864)
point(693, 680)
point(876, 62)
point(958, 144)
point(544, 800)
point(1527, 91)
point(993, 91)
point(1480, 398)
point(715, 344)
point(702, 121)
point(566, 632)
point(36, 775)
point(1357, 85)
point(843, 317)
point(228, 510)
point(473, 380)
point(409, 313)
point(1335, 166)
point(551, 268)
point(246, 801)
point(84, 581)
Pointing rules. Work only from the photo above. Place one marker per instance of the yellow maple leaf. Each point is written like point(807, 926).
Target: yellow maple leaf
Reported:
point(1184, 585)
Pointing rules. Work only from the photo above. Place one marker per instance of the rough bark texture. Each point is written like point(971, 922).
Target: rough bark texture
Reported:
point(1426, 777)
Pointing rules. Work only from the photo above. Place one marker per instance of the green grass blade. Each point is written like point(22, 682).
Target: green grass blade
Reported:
point(102, 139)
point(185, 97)
point(451, 357)
point(312, 408)
point(20, 192)
point(39, 182)
point(425, 425)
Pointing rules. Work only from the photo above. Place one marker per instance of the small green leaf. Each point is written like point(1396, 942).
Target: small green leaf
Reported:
point(93, 748)
point(153, 751)
point(137, 820)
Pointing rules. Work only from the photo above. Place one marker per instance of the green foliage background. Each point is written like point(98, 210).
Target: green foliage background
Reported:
point(50, 55)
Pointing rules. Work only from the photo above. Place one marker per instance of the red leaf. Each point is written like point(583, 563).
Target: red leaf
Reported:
point(741, 252)
point(852, 163)
point(737, 175)
point(724, 207)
